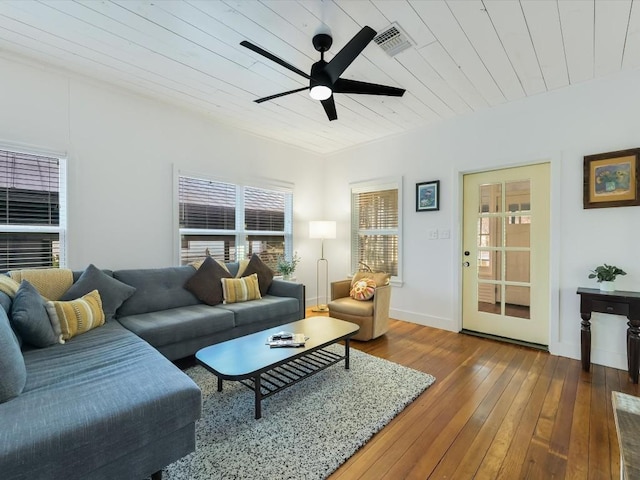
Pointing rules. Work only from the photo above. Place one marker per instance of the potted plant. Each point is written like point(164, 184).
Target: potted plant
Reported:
point(286, 267)
point(606, 274)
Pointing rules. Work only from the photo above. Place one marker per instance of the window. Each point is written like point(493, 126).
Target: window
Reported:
point(32, 211)
point(376, 226)
point(230, 222)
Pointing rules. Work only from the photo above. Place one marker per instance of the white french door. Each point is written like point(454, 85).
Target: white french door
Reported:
point(505, 277)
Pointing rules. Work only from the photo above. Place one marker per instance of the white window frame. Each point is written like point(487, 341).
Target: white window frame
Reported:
point(241, 235)
point(386, 183)
point(61, 228)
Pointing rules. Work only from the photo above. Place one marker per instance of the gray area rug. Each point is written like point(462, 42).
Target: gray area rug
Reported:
point(306, 431)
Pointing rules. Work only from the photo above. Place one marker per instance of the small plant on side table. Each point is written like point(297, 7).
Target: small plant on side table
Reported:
point(286, 267)
point(606, 274)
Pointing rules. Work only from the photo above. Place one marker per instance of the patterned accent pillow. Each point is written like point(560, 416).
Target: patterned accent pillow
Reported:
point(380, 278)
point(241, 289)
point(76, 316)
point(8, 285)
point(363, 289)
point(242, 266)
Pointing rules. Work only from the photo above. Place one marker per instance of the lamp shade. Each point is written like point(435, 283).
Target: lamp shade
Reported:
point(322, 229)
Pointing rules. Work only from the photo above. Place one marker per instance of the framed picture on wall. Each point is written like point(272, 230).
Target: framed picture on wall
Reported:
point(428, 196)
point(611, 179)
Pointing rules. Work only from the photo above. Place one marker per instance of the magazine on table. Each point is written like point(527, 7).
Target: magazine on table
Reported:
point(286, 339)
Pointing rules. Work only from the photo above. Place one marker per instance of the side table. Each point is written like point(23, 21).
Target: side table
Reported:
point(615, 303)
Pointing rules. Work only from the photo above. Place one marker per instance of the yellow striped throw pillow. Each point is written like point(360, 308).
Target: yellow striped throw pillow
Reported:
point(8, 285)
point(76, 316)
point(240, 289)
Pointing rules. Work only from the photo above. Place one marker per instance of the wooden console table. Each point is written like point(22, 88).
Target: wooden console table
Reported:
point(615, 303)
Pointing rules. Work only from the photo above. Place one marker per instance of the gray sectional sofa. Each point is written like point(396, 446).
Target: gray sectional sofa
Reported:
point(109, 403)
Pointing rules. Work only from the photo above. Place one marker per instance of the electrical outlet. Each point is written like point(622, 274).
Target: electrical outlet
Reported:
point(432, 234)
point(444, 233)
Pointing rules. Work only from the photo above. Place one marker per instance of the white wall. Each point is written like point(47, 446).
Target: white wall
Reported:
point(561, 127)
point(122, 150)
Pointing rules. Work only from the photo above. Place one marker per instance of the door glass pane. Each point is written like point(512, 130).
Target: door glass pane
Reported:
point(489, 232)
point(518, 231)
point(489, 298)
point(517, 301)
point(490, 198)
point(489, 265)
point(518, 196)
point(517, 267)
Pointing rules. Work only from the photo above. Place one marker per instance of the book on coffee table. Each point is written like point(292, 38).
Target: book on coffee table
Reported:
point(287, 340)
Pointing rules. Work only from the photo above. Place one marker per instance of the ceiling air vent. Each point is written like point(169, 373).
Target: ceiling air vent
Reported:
point(393, 40)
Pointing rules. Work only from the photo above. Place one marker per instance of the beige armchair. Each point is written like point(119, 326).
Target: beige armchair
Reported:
point(371, 315)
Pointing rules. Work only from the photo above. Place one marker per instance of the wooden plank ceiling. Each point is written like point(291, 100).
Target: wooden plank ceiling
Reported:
point(466, 55)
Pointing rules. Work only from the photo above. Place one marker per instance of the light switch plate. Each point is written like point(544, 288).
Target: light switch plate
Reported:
point(432, 234)
point(444, 233)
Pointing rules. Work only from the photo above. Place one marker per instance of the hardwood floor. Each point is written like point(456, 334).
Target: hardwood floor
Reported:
point(497, 410)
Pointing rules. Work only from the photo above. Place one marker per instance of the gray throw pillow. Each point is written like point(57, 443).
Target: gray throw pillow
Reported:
point(112, 292)
point(265, 274)
point(206, 283)
point(14, 372)
point(29, 317)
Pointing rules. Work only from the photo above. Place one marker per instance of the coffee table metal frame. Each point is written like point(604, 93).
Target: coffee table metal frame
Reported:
point(288, 365)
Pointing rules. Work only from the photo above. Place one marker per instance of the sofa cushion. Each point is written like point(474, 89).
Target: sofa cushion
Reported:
point(14, 372)
point(91, 401)
point(265, 274)
point(206, 282)
point(240, 289)
point(156, 289)
point(76, 317)
point(29, 317)
point(363, 289)
point(112, 292)
point(267, 308)
point(349, 306)
point(179, 324)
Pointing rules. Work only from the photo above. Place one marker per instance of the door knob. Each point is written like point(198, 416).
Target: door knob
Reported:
point(465, 264)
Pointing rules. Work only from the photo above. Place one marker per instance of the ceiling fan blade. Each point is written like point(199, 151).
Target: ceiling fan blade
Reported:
point(271, 97)
point(343, 85)
point(349, 52)
point(330, 108)
point(273, 58)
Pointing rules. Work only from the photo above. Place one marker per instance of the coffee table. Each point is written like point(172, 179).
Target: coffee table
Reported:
point(267, 370)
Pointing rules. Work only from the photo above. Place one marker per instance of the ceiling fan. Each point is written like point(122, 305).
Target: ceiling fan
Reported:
point(324, 79)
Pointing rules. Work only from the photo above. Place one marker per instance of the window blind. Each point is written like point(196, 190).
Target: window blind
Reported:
point(205, 204)
point(375, 233)
point(31, 211)
point(230, 222)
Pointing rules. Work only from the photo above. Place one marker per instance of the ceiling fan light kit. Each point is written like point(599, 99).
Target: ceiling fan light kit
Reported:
point(324, 79)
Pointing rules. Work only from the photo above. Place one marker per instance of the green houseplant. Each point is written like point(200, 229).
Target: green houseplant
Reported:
point(286, 267)
point(606, 274)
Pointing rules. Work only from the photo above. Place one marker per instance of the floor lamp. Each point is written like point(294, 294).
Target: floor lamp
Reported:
point(323, 230)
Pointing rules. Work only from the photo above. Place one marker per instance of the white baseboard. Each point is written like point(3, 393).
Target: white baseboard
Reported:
point(426, 320)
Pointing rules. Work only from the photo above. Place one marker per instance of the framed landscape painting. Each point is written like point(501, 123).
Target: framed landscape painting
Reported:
point(428, 196)
point(611, 179)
